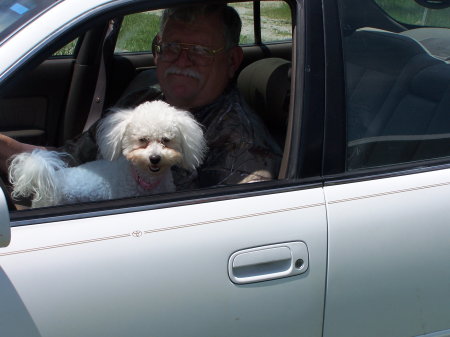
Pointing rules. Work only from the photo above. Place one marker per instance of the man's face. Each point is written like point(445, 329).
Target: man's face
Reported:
point(185, 83)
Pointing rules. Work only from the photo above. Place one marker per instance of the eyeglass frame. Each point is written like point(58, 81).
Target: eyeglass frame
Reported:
point(156, 48)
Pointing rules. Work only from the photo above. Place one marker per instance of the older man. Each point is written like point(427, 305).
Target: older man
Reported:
point(197, 55)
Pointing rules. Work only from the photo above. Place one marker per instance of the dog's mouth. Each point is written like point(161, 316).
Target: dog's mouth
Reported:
point(154, 168)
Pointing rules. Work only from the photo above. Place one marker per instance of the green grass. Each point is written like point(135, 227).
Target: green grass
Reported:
point(137, 32)
point(280, 11)
point(68, 49)
point(245, 39)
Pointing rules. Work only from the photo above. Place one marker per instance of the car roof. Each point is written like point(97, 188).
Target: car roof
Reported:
point(45, 25)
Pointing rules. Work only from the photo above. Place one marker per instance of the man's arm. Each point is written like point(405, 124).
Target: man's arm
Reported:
point(9, 147)
point(236, 163)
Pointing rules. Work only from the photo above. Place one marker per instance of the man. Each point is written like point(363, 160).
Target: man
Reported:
point(197, 55)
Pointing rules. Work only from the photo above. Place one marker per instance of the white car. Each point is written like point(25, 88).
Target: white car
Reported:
point(353, 239)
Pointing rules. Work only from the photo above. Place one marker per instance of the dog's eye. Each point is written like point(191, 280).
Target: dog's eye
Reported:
point(165, 140)
point(143, 140)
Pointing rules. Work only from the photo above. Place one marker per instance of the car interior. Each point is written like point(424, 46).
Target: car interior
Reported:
point(397, 86)
point(55, 99)
point(409, 100)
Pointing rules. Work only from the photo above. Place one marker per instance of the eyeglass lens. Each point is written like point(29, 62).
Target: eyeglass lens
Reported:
point(170, 51)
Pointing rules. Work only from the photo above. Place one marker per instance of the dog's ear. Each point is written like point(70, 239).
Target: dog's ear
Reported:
point(110, 133)
point(192, 141)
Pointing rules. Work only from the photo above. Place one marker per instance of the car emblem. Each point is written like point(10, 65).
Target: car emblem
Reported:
point(137, 234)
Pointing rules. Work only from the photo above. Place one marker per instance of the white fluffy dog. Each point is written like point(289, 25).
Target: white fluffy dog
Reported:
point(139, 146)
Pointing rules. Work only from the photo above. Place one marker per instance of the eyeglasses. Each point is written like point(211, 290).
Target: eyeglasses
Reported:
point(199, 55)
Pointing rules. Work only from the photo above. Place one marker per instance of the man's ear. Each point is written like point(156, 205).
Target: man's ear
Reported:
point(236, 56)
point(155, 41)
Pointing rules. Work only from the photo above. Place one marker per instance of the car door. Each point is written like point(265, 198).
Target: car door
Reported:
point(388, 257)
point(245, 260)
point(38, 97)
point(388, 214)
point(167, 271)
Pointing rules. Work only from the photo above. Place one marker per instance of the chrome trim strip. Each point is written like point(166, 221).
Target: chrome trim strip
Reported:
point(232, 218)
point(65, 244)
point(177, 199)
point(412, 189)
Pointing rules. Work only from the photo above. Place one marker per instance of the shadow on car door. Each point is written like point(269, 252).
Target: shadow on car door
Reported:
point(15, 311)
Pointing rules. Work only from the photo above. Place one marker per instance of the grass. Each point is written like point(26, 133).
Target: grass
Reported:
point(137, 32)
point(280, 11)
point(275, 17)
point(68, 49)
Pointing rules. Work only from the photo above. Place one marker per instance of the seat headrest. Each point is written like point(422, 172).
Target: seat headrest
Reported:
point(265, 85)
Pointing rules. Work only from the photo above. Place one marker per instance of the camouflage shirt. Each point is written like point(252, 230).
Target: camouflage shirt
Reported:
point(240, 149)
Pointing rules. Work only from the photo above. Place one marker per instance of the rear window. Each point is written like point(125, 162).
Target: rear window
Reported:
point(138, 29)
point(429, 14)
point(15, 13)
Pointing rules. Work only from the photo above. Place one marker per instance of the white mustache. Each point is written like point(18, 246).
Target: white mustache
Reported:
point(173, 70)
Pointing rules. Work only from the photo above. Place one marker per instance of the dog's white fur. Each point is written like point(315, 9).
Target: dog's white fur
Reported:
point(139, 146)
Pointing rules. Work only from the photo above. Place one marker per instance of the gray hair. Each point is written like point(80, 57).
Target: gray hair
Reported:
point(230, 18)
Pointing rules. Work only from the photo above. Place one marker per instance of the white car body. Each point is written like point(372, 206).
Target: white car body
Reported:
point(22, 44)
point(365, 257)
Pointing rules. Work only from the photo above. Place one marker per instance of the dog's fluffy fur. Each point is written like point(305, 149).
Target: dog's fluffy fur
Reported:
point(139, 146)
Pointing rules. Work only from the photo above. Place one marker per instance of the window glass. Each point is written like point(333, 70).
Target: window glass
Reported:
point(397, 87)
point(137, 32)
point(135, 35)
point(15, 13)
point(410, 12)
point(276, 23)
point(245, 10)
point(68, 49)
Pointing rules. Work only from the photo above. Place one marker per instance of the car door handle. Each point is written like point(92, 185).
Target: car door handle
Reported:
point(268, 262)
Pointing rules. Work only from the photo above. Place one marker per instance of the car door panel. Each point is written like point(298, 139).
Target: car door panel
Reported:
point(164, 272)
point(388, 256)
point(31, 107)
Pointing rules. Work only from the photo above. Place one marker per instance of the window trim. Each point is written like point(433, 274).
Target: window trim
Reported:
point(335, 134)
point(151, 202)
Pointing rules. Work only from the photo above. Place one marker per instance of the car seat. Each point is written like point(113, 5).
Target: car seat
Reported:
point(396, 94)
point(265, 85)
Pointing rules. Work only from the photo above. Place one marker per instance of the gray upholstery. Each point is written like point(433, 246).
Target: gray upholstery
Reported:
point(265, 85)
point(397, 99)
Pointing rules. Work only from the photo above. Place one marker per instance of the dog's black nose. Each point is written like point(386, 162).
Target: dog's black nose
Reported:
point(154, 159)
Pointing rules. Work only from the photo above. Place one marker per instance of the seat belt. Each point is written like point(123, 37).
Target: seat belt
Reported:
point(98, 100)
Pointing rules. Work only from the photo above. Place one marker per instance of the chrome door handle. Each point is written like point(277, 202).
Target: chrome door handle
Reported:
point(268, 262)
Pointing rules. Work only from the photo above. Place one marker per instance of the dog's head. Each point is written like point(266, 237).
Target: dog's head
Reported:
point(153, 136)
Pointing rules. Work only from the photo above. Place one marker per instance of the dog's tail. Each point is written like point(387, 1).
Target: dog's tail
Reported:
point(33, 173)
